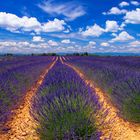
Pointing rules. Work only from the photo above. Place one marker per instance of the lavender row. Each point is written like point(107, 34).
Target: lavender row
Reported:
point(15, 62)
point(18, 80)
point(117, 76)
point(65, 107)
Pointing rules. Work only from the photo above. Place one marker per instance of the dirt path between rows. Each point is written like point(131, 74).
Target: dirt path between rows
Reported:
point(22, 125)
point(119, 128)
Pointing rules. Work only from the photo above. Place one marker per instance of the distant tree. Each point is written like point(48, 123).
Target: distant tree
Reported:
point(43, 54)
point(76, 54)
point(84, 54)
point(53, 54)
point(8, 54)
point(48, 54)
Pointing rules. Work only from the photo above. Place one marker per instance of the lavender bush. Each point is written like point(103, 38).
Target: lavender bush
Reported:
point(65, 107)
point(117, 76)
point(16, 77)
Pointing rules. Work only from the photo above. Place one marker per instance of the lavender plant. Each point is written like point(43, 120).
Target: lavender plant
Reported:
point(117, 76)
point(16, 79)
point(65, 107)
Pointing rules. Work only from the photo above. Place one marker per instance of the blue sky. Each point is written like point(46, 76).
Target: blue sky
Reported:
point(35, 26)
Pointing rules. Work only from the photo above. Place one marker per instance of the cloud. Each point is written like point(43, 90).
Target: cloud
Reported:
point(136, 3)
point(122, 37)
point(66, 31)
point(37, 39)
point(115, 11)
point(89, 47)
point(52, 43)
point(123, 4)
point(111, 26)
point(114, 34)
point(66, 41)
point(18, 47)
point(26, 47)
point(122, 25)
point(133, 16)
point(14, 23)
point(54, 26)
point(135, 44)
point(72, 35)
point(105, 44)
point(91, 31)
point(69, 10)
point(14, 44)
point(92, 43)
point(94, 31)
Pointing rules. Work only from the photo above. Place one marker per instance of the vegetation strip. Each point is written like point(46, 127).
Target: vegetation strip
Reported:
point(65, 107)
point(119, 77)
point(17, 76)
point(22, 126)
point(120, 129)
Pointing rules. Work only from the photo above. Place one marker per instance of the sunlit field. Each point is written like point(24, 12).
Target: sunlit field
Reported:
point(70, 98)
point(70, 70)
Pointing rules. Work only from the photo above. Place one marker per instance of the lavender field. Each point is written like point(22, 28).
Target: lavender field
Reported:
point(70, 70)
point(119, 77)
point(69, 98)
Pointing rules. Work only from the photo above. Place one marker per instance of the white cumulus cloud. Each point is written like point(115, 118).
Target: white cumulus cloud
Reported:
point(133, 16)
point(123, 4)
point(135, 44)
point(14, 23)
point(25, 47)
point(54, 26)
point(94, 31)
point(37, 39)
point(66, 41)
point(92, 43)
point(105, 44)
point(122, 37)
point(52, 43)
point(111, 26)
point(115, 11)
point(136, 3)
